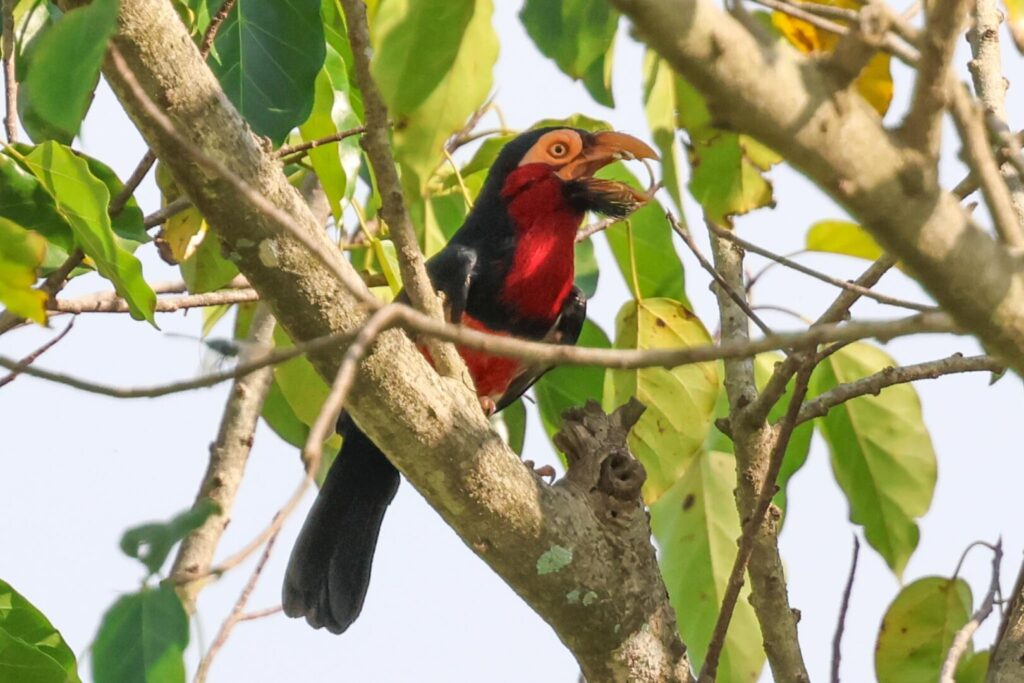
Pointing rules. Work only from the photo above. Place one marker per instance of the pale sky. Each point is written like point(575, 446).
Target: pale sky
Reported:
point(79, 469)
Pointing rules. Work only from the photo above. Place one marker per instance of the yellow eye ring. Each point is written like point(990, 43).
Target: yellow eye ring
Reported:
point(558, 150)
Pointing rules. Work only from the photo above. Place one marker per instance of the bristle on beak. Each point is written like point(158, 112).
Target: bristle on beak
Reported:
point(603, 148)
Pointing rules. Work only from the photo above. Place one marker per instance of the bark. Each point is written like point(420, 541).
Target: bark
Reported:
point(581, 557)
point(833, 136)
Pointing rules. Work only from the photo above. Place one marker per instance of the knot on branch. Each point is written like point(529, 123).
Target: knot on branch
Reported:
point(599, 460)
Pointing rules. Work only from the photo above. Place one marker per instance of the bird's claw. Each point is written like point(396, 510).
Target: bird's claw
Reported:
point(544, 471)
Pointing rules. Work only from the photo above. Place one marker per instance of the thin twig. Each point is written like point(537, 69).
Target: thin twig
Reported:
point(216, 21)
point(117, 204)
point(162, 215)
point(302, 148)
point(377, 144)
point(973, 132)
point(962, 639)
point(10, 82)
point(538, 352)
point(236, 614)
point(105, 304)
point(873, 384)
point(738, 298)
point(818, 275)
point(31, 358)
point(844, 608)
point(261, 613)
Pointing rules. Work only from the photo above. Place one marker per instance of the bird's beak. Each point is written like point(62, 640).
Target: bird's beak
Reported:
point(601, 149)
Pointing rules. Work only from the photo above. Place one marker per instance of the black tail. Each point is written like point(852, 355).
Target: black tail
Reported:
point(329, 569)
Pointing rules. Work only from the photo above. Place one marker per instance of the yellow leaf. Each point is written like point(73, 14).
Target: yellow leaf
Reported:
point(842, 237)
point(874, 83)
point(183, 233)
point(21, 252)
point(1015, 20)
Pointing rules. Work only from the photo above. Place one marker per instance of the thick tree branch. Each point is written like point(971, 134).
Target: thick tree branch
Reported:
point(431, 427)
point(838, 141)
point(10, 83)
point(1006, 664)
point(228, 456)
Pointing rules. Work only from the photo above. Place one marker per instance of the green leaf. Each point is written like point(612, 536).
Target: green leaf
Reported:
point(696, 526)
point(659, 272)
point(842, 237)
point(918, 629)
point(973, 668)
point(680, 402)
point(151, 543)
point(267, 55)
point(881, 453)
point(511, 424)
point(420, 134)
point(63, 69)
point(417, 43)
point(206, 269)
point(725, 167)
point(82, 200)
point(586, 268)
point(660, 107)
point(31, 649)
point(129, 223)
point(570, 386)
point(581, 121)
point(336, 164)
point(24, 200)
point(142, 639)
point(578, 35)
point(21, 253)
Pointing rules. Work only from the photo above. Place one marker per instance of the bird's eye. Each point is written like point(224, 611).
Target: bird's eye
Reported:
point(558, 150)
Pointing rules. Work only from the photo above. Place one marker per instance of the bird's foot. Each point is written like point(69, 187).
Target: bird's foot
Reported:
point(544, 471)
point(488, 406)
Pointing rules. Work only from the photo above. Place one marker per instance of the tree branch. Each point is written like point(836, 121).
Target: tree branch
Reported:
point(104, 303)
point(1006, 664)
point(228, 456)
point(963, 637)
point(10, 82)
point(873, 384)
point(755, 445)
point(836, 139)
point(31, 358)
point(837, 639)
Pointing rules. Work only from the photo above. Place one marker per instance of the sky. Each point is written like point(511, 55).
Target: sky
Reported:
point(79, 469)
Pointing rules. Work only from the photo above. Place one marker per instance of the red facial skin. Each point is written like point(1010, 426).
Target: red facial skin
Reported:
point(542, 270)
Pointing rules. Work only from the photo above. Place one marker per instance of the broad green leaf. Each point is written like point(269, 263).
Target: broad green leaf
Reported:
point(63, 70)
point(696, 526)
point(598, 79)
point(206, 269)
point(142, 639)
point(485, 155)
point(336, 164)
point(726, 168)
point(659, 272)
point(82, 200)
point(799, 442)
point(21, 254)
point(680, 402)
point(128, 224)
point(267, 55)
point(1015, 20)
point(973, 668)
point(842, 237)
point(874, 83)
point(578, 35)
point(881, 453)
point(918, 629)
point(660, 107)
point(586, 268)
point(571, 386)
point(511, 424)
point(31, 649)
point(24, 200)
point(151, 543)
point(581, 121)
point(302, 387)
point(417, 42)
point(420, 135)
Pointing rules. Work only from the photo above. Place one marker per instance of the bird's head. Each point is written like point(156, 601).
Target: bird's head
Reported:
point(552, 169)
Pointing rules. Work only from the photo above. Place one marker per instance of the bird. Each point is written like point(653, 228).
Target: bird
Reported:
point(508, 270)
